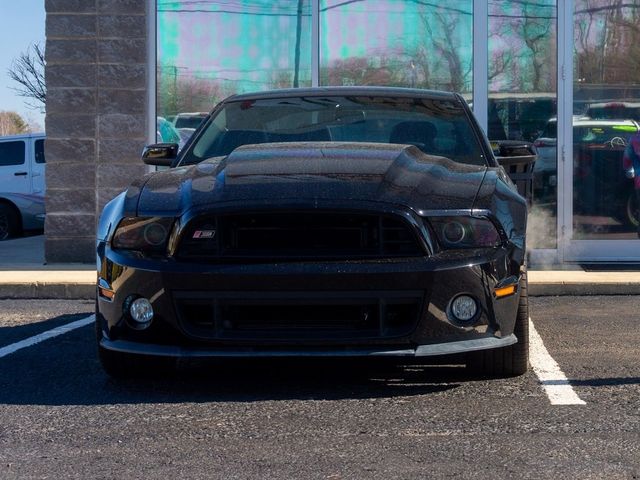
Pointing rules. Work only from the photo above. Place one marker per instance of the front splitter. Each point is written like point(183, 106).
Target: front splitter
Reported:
point(431, 350)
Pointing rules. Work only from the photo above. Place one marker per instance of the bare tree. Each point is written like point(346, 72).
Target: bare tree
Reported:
point(607, 43)
point(501, 61)
point(12, 124)
point(28, 71)
point(358, 71)
point(419, 71)
point(447, 69)
point(586, 54)
point(524, 40)
point(621, 51)
point(537, 35)
point(281, 79)
point(180, 90)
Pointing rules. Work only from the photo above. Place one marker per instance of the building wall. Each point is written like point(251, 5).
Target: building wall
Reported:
point(96, 77)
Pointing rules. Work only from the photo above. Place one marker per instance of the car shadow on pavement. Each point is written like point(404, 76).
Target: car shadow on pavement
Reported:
point(66, 371)
point(15, 333)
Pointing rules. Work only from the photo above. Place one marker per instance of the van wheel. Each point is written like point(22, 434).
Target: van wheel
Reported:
point(8, 222)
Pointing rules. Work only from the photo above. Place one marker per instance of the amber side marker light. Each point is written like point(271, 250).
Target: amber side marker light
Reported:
point(106, 293)
point(505, 291)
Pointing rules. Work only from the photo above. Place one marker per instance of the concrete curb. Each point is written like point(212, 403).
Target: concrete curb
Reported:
point(583, 283)
point(43, 291)
point(48, 284)
point(582, 289)
point(80, 284)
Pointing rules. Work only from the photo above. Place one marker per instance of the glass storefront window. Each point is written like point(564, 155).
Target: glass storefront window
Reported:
point(523, 98)
point(606, 107)
point(397, 43)
point(208, 50)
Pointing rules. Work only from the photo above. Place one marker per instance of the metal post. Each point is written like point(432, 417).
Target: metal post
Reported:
point(315, 43)
point(564, 147)
point(151, 70)
point(296, 72)
point(481, 61)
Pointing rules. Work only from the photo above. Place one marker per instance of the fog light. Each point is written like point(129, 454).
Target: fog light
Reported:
point(464, 308)
point(141, 312)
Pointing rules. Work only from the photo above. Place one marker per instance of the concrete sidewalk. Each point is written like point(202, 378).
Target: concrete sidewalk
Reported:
point(23, 274)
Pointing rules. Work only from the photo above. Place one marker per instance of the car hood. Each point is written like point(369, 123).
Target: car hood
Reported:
point(307, 174)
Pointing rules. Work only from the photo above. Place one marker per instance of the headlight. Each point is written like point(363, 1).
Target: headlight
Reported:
point(465, 232)
point(146, 234)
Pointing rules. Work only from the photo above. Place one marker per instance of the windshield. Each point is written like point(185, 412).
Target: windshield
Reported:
point(436, 126)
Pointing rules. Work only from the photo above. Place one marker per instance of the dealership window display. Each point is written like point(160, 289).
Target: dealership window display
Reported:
point(208, 50)
point(544, 61)
point(416, 44)
point(606, 92)
point(523, 96)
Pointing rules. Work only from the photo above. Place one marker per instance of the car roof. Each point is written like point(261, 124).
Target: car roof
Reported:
point(22, 136)
point(192, 114)
point(614, 105)
point(344, 91)
point(588, 122)
point(580, 121)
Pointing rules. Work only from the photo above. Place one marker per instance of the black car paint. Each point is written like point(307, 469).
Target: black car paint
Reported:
point(384, 173)
point(358, 177)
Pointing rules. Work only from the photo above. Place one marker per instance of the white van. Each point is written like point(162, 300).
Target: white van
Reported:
point(22, 184)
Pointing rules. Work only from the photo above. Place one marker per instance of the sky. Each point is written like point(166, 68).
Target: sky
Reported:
point(22, 24)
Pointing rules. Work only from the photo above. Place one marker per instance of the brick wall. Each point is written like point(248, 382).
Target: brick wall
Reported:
point(96, 77)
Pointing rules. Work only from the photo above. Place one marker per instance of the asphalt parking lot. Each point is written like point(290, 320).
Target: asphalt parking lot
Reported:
point(62, 417)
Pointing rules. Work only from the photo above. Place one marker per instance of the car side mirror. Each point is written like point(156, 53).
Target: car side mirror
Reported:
point(518, 159)
point(160, 154)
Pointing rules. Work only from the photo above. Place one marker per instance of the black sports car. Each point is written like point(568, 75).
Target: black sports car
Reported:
point(341, 222)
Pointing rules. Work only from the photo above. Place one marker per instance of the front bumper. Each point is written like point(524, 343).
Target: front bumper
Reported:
point(434, 281)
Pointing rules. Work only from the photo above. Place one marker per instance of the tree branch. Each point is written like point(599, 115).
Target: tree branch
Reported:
point(28, 72)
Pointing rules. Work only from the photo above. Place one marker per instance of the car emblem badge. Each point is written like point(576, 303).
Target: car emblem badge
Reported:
point(204, 234)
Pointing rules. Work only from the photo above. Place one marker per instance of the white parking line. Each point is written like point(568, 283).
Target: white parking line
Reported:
point(61, 330)
point(554, 381)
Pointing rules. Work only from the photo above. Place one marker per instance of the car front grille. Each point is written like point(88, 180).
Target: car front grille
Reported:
point(298, 315)
point(297, 236)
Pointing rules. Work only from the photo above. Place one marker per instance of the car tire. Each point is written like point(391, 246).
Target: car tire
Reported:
point(508, 361)
point(120, 365)
point(113, 363)
point(9, 222)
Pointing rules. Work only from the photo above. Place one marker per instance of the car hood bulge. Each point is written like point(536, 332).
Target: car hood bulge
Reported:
point(310, 173)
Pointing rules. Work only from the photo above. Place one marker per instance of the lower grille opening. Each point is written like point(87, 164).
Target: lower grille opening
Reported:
point(299, 319)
